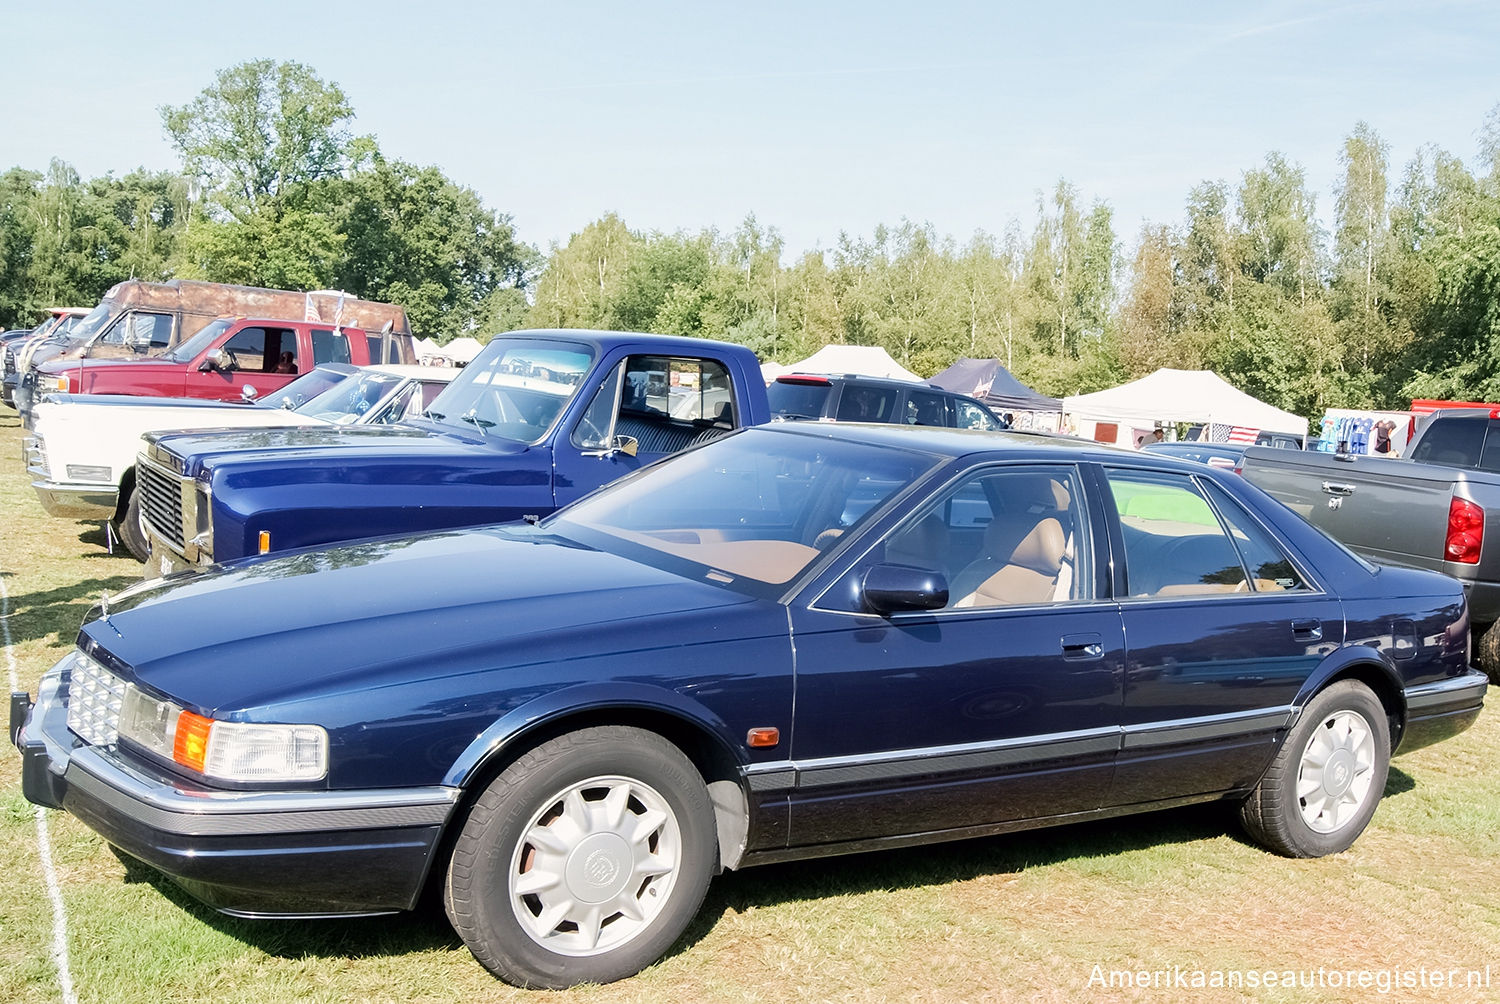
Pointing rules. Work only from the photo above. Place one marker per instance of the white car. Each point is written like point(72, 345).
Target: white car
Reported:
point(82, 447)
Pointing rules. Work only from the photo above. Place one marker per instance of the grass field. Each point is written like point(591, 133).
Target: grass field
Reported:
point(1044, 916)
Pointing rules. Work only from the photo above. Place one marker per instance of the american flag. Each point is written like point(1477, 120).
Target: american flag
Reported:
point(1221, 433)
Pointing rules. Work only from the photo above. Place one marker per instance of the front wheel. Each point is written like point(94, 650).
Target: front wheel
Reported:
point(1322, 788)
point(584, 860)
point(128, 529)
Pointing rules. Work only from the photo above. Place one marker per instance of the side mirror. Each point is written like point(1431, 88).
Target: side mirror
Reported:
point(889, 589)
point(627, 445)
point(249, 393)
point(218, 359)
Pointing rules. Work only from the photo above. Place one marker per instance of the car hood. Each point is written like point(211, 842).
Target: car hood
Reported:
point(198, 450)
point(57, 365)
point(134, 401)
point(391, 611)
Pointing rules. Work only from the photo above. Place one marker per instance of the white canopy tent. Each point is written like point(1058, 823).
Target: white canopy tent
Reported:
point(863, 360)
point(1169, 396)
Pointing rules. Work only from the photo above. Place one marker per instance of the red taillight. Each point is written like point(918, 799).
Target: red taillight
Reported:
point(1465, 532)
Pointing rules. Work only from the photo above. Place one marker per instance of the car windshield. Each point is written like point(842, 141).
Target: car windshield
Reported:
point(514, 389)
point(752, 509)
point(304, 390)
point(206, 334)
point(89, 326)
point(351, 398)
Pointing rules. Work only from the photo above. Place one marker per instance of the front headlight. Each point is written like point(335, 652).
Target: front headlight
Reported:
point(228, 751)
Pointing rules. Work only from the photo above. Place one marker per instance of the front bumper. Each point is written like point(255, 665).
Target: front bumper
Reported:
point(246, 853)
point(1441, 710)
point(165, 558)
point(77, 501)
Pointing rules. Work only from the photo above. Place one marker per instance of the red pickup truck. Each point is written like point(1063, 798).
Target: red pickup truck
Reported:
point(218, 363)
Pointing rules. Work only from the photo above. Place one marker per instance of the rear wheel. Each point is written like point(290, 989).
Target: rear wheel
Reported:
point(1322, 788)
point(584, 860)
point(128, 528)
point(1487, 651)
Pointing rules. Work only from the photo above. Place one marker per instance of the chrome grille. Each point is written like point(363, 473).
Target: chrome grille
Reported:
point(94, 696)
point(161, 494)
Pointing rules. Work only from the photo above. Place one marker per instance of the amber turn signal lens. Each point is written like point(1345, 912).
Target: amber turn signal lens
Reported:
point(190, 745)
point(265, 542)
point(762, 738)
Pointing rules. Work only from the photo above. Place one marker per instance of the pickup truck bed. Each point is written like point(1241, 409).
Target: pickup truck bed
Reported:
point(1413, 512)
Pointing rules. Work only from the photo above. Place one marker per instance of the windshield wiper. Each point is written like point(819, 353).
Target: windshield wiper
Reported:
point(476, 421)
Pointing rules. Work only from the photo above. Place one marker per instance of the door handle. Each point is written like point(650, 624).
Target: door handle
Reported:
point(1307, 630)
point(1337, 488)
point(1082, 647)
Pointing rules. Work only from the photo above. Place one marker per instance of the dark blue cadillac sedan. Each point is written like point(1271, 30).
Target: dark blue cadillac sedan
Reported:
point(797, 640)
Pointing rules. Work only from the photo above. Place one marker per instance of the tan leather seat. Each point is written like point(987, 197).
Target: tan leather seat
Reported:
point(1031, 574)
point(1029, 501)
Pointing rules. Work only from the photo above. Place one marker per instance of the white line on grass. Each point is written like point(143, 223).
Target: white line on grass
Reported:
point(43, 840)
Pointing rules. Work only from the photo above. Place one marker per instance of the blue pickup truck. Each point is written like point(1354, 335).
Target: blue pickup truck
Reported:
point(538, 419)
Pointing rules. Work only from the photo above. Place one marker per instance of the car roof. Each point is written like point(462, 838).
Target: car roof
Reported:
point(438, 374)
point(599, 338)
point(954, 443)
point(879, 381)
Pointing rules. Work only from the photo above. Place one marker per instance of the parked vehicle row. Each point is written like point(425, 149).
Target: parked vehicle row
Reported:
point(138, 319)
point(568, 725)
point(83, 448)
point(570, 634)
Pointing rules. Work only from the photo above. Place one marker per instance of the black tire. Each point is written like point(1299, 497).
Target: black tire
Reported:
point(128, 528)
point(1276, 817)
point(559, 782)
point(1487, 650)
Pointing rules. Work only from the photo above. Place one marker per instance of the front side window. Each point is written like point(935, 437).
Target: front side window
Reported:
point(973, 415)
point(142, 331)
point(1003, 537)
point(514, 389)
point(263, 350)
point(1174, 543)
point(755, 509)
point(665, 403)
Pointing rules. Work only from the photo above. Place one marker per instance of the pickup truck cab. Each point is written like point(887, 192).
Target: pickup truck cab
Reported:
point(217, 364)
point(1428, 510)
point(538, 419)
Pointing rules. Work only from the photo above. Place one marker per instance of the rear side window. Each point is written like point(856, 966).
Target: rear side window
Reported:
point(926, 408)
point(330, 346)
point(1452, 441)
point(1174, 544)
point(1271, 570)
point(798, 400)
point(864, 403)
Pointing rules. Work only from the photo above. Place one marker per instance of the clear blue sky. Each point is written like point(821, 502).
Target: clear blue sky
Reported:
point(817, 117)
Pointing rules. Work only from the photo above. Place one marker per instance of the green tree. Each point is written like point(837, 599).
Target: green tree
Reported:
point(412, 236)
point(266, 141)
point(1361, 256)
point(584, 280)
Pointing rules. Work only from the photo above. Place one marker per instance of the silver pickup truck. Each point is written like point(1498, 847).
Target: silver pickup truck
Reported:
point(1428, 510)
